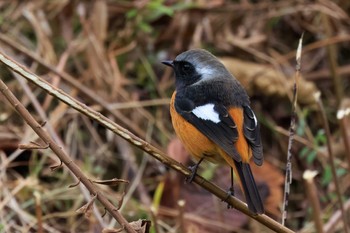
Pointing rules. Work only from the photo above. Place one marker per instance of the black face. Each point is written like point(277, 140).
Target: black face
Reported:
point(185, 74)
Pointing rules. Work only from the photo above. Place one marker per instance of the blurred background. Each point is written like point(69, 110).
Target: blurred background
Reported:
point(107, 55)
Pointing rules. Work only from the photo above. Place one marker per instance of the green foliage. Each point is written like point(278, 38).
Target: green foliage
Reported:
point(326, 175)
point(158, 194)
point(302, 122)
point(154, 10)
point(310, 154)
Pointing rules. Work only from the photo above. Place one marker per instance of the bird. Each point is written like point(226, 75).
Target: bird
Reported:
point(211, 115)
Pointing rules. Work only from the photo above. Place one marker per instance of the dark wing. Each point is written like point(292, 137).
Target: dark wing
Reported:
point(221, 128)
point(252, 134)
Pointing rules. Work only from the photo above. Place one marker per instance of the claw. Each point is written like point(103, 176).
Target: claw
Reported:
point(193, 170)
point(230, 192)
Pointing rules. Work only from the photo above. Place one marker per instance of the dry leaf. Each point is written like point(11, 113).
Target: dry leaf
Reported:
point(268, 81)
point(274, 178)
point(141, 225)
point(87, 208)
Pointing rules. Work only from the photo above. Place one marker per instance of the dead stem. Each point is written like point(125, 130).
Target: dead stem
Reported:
point(343, 116)
point(312, 194)
point(288, 177)
point(332, 59)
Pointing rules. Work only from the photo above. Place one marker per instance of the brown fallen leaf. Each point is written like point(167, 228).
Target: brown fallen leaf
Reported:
point(258, 78)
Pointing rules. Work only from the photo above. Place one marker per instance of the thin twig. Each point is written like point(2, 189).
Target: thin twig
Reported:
point(63, 156)
point(288, 177)
point(145, 146)
point(312, 192)
point(332, 159)
point(38, 211)
point(181, 218)
point(342, 115)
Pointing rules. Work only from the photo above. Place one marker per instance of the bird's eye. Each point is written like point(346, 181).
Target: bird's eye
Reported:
point(186, 68)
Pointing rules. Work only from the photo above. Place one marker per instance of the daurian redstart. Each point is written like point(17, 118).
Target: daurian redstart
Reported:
point(211, 115)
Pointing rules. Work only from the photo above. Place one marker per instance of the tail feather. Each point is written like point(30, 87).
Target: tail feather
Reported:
point(250, 189)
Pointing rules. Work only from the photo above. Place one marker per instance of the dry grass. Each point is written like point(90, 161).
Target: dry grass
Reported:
point(107, 54)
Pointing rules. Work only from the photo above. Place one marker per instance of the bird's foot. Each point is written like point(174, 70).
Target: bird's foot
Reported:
point(193, 170)
point(230, 192)
point(193, 173)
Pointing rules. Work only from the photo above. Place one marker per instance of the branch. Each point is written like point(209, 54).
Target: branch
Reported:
point(63, 156)
point(145, 146)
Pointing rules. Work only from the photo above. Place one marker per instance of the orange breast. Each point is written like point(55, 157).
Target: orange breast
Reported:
point(198, 145)
point(194, 141)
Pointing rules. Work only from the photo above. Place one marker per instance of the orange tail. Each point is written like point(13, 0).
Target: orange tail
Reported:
point(250, 190)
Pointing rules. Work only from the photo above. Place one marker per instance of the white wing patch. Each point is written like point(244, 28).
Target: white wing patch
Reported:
point(207, 112)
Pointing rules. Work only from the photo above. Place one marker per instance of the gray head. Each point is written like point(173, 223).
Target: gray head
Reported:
point(197, 65)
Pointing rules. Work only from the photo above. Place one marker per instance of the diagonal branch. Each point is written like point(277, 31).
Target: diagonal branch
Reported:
point(145, 146)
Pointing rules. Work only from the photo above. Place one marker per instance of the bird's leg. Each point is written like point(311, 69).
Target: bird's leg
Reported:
point(193, 169)
point(231, 190)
